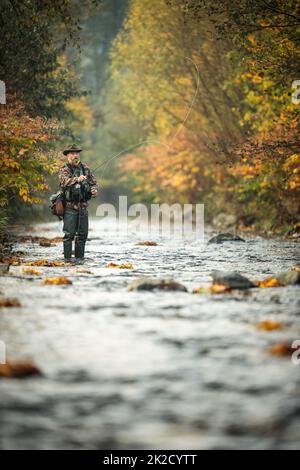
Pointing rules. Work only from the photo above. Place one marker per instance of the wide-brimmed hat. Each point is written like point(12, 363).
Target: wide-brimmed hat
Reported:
point(72, 148)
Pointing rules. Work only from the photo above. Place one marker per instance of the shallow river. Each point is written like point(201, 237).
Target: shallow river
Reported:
point(129, 370)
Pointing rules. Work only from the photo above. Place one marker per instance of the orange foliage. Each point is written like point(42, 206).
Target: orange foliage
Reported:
point(175, 168)
point(23, 159)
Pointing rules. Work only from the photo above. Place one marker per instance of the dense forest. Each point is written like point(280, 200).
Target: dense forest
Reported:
point(172, 100)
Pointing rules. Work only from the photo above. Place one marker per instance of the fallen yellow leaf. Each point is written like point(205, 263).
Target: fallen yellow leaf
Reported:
point(270, 282)
point(14, 260)
point(213, 289)
point(269, 325)
point(281, 349)
point(120, 266)
point(45, 262)
point(18, 369)
point(147, 243)
point(200, 290)
point(219, 288)
point(57, 281)
point(31, 271)
point(9, 303)
point(81, 271)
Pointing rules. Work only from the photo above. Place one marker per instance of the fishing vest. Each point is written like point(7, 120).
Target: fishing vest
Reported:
point(79, 192)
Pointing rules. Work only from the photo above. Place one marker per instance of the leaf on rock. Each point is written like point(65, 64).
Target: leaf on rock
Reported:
point(12, 260)
point(32, 271)
point(219, 288)
point(9, 303)
point(281, 349)
point(55, 281)
point(270, 282)
point(147, 243)
point(120, 266)
point(18, 369)
point(81, 271)
point(200, 290)
point(213, 289)
point(45, 262)
point(269, 325)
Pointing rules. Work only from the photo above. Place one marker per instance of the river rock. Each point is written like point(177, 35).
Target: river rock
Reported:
point(289, 277)
point(231, 279)
point(46, 244)
point(149, 284)
point(4, 268)
point(225, 237)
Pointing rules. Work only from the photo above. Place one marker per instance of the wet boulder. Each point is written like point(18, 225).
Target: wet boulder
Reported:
point(4, 268)
point(291, 277)
point(46, 244)
point(231, 279)
point(225, 237)
point(150, 284)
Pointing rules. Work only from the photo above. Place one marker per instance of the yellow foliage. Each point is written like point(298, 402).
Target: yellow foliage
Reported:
point(23, 164)
point(251, 38)
point(83, 116)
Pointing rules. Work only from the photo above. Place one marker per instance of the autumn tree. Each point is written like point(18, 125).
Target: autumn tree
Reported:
point(241, 57)
point(40, 86)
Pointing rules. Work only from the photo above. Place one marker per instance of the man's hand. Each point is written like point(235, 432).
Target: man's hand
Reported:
point(81, 178)
point(94, 192)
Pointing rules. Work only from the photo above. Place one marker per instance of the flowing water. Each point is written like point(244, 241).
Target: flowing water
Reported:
point(129, 370)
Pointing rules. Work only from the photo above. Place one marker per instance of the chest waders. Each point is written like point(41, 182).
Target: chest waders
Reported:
point(76, 221)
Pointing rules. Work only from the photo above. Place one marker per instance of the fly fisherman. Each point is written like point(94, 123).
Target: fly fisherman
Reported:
point(78, 185)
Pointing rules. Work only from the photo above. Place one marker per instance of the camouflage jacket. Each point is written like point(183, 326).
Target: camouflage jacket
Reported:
point(67, 179)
